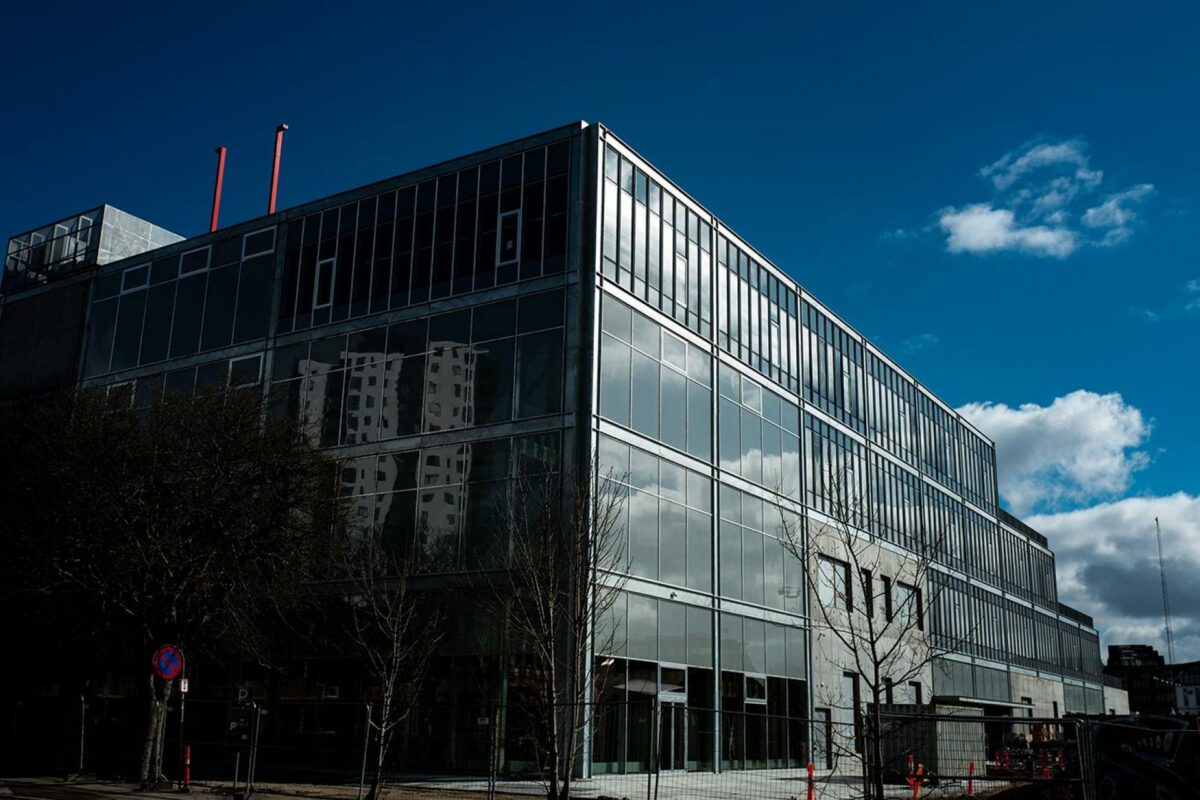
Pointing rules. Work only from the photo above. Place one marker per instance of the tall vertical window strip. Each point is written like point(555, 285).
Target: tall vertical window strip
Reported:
point(665, 516)
point(834, 480)
point(833, 363)
point(758, 542)
point(983, 547)
point(1015, 562)
point(891, 409)
point(977, 468)
point(943, 528)
point(654, 382)
point(939, 439)
point(758, 434)
point(488, 225)
point(757, 316)
point(655, 246)
point(895, 503)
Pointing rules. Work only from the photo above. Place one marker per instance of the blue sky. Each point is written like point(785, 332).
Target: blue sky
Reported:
point(1005, 197)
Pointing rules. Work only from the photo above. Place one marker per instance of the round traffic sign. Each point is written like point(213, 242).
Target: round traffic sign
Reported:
point(167, 662)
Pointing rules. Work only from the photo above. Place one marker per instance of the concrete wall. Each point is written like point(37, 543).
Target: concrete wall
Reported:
point(831, 658)
point(1116, 700)
point(123, 235)
point(1044, 692)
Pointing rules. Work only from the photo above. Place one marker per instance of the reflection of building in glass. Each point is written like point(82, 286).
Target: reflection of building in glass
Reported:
point(444, 331)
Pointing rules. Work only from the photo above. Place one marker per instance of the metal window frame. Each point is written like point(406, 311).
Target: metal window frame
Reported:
point(207, 260)
point(499, 238)
point(127, 289)
point(274, 241)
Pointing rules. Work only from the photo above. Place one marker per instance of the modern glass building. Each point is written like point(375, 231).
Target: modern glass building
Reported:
point(557, 299)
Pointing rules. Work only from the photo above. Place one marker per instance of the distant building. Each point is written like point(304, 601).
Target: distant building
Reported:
point(1154, 686)
point(550, 301)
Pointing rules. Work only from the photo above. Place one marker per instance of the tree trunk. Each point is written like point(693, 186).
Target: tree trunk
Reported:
point(382, 737)
point(876, 748)
point(147, 762)
point(156, 728)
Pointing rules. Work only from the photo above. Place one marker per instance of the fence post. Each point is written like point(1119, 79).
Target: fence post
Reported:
point(362, 775)
point(82, 728)
point(252, 760)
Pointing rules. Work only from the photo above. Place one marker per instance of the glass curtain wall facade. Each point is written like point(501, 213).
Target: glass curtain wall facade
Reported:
point(805, 414)
point(556, 299)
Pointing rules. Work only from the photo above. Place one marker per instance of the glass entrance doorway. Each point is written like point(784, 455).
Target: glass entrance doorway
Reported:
point(672, 735)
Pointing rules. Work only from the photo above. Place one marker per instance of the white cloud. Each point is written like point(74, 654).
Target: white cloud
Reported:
point(1193, 290)
point(1041, 207)
point(1080, 448)
point(1116, 214)
point(1014, 165)
point(980, 228)
point(922, 341)
point(1107, 560)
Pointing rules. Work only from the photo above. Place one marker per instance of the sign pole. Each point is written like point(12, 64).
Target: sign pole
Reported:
point(184, 760)
point(82, 729)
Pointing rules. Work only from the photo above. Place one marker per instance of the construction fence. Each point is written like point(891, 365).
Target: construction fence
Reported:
point(652, 750)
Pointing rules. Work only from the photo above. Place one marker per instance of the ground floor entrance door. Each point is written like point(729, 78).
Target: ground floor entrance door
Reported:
point(672, 735)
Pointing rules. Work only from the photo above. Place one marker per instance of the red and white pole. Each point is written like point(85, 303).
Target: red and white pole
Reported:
point(970, 778)
point(810, 781)
point(187, 766)
point(216, 207)
point(275, 168)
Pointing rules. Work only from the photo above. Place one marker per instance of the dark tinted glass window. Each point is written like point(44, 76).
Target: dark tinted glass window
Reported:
point(101, 327)
point(260, 242)
point(253, 300)
point(539, 373)
point(156, 333)
point(218, 308)
point(288, 360)
point(180, 381)
point(189, 306)
point(493, 381)
point(540, 311)
point(407, 338)
point(494, 321)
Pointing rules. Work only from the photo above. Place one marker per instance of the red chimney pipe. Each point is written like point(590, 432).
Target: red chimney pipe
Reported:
point(275, 169)
point(216, 209)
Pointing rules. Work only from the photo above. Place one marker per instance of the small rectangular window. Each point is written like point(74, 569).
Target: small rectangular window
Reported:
point(258, 243)
point(120, 395)
point(508, 244)
point(245, 371)
point(135, 278)
point(194, 261)
point(323, 284)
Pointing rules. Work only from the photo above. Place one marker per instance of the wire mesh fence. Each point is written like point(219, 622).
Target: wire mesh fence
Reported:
point(650, 749)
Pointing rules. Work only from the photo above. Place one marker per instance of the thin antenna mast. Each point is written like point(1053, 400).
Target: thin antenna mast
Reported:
point(1162, 572)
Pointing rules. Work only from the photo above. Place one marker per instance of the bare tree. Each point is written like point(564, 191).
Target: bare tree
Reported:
point(566, 559)
point(872, 601)
point(191, 522)
point(396, 629)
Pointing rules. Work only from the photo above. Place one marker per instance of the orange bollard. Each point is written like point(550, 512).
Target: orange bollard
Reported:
point(917, 781)
point(810, 781)
point(970, 778)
